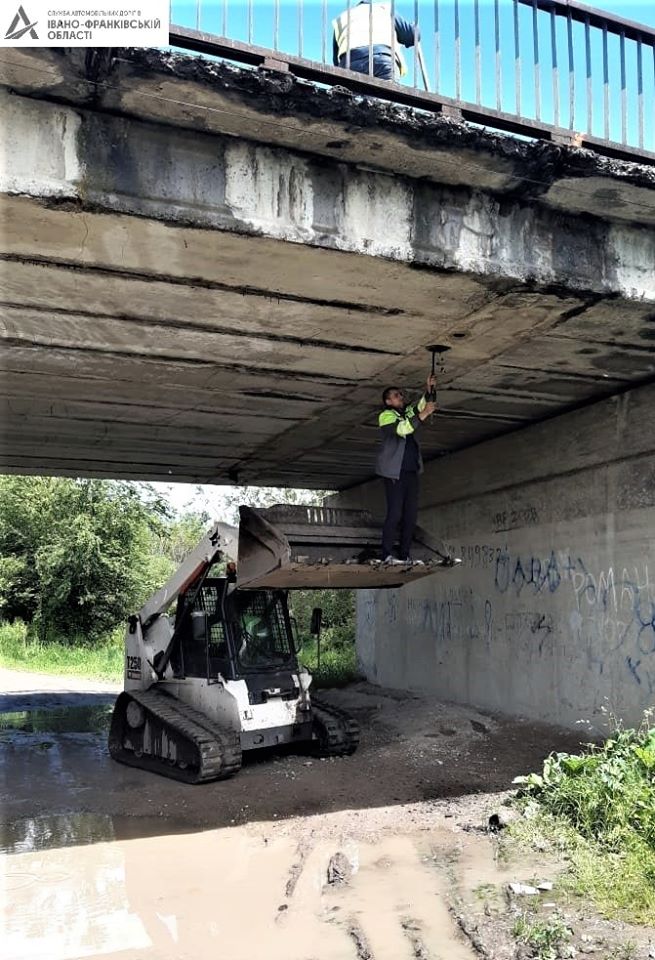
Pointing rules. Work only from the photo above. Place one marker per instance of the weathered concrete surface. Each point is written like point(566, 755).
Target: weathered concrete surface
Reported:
point(208, 273)
point(552, 612)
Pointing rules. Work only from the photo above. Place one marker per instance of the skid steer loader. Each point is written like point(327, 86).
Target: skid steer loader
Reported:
point(211, 664)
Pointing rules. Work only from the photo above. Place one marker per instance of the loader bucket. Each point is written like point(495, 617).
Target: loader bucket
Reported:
point(291, 547)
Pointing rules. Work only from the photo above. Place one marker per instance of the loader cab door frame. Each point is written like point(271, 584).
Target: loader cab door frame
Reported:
point(199, 653)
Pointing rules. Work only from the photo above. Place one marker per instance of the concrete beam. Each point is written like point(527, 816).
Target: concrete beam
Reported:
point(190, 244)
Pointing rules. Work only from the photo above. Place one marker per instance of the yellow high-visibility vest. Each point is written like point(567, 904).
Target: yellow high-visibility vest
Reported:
point(367, 23)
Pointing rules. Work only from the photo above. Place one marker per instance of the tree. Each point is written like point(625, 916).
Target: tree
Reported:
point(338, 608)
point(76, 555)
point(180, 536)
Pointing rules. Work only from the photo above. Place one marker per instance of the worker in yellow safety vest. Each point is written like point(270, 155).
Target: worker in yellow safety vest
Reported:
point(369, 28)
point(399, 463)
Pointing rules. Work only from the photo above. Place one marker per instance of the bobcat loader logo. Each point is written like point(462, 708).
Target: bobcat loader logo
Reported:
point(20, 26)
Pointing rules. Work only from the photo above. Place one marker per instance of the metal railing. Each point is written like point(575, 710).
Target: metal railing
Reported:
point(553, 69)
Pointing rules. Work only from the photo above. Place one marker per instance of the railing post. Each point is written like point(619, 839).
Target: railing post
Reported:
point(640, 94)
point(537, 66)
point(478, 55)
point(499, 69)
point(590, 107)
point(624, 94)
point(555, 69)
point(517, 57)
point(458, 54)
point(569, 34)
point(606, 85)
point(437, 47)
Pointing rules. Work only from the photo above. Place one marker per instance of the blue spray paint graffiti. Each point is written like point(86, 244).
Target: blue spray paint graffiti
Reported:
point(611, 615)
point(621, 610)
point(519, 573)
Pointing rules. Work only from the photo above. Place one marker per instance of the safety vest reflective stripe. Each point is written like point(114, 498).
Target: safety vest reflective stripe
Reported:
point(367, 23)
point(403, 426)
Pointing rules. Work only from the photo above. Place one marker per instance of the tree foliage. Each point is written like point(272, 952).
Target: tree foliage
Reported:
point(77, 555)
point(338, 608)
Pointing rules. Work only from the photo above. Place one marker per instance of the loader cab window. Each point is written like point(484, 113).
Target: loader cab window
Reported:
point(261, 631)
point(194, 659)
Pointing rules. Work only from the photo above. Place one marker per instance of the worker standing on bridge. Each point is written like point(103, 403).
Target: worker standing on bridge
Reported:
point(370, 28)
point(399, 462)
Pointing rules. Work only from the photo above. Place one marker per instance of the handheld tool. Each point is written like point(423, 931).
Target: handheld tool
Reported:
point(421, 63)
point(437, 349)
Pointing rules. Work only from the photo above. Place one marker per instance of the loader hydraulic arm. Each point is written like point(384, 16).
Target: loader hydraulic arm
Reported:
point(208, 550)
point(193, 570)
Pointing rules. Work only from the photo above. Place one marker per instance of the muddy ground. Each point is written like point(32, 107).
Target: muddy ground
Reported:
point(382, 856)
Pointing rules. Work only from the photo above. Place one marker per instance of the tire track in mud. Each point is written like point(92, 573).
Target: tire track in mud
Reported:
point(413, 930)
point(358, 937)
point(302, 851)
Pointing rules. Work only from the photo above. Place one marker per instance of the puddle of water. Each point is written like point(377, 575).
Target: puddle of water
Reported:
point(92, 719)
point(483, 874)
point(32, 834)
point(233, 893)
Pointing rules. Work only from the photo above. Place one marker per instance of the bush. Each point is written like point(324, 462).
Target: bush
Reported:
point(601, 804)
point(338, 666)
point(76, 556)
point(338, 608)
point(338, 656)
point(546, 939)
point(608, 793)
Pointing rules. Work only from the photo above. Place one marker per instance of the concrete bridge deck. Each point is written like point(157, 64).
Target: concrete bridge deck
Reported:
point(208, 273)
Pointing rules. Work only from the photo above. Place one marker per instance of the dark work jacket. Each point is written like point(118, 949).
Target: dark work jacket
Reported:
point(395, 425)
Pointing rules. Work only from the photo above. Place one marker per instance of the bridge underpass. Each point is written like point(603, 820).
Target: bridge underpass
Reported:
point(210, 273)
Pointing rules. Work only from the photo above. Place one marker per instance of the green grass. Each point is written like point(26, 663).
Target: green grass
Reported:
point(547, 938)
point(338, 664)
point(485, 891)
point(627, 951)
point(598, 811)
point(101, 662)
point(105, 661)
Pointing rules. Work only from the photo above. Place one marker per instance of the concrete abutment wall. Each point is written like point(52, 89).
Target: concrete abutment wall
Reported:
point(552, 612)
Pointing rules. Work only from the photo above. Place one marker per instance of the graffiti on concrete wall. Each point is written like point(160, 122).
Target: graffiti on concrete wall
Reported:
point(533, 573)
point(611, 611)
point(515, 518)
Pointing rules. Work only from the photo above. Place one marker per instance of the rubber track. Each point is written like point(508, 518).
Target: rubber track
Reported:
point(340, 732)
point(218, 749)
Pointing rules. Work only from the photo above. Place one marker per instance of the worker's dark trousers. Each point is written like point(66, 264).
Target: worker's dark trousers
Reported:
point(402, 508)
point(382, 63)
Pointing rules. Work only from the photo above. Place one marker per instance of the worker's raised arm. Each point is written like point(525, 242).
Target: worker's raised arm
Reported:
point(407, 33)
point(428, 396)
